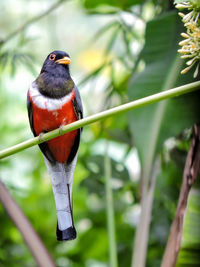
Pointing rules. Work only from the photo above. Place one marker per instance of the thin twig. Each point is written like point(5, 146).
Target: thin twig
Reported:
point(31, 238)
point(188, 88)
point(32, 20)
point(191, 171)
point(110, 212)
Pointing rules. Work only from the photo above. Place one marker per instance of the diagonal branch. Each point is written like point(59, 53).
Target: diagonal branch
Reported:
point(32, 20)
point(32, 240)
point(188, 88)
point(191, 171)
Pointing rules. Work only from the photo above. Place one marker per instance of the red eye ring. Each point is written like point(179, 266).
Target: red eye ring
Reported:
point(52, 57)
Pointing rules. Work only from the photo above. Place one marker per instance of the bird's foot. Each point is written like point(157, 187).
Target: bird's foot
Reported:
point(61, 129)
point(41, 137)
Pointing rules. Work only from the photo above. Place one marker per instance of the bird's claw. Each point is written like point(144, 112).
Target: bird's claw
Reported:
point(41, 137)
point(61, 129)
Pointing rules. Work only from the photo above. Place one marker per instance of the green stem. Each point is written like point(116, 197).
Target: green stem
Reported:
point(110, 212)
point(188, 88)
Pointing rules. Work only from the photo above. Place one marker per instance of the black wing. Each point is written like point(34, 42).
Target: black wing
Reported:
point(78, 104)
point(44, 146)
point(78, 108)
point(30, 114)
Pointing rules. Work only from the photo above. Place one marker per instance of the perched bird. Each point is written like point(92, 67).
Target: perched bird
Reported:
point(53, 101)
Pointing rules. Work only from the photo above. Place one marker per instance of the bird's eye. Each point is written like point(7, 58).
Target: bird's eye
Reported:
point(52, 57)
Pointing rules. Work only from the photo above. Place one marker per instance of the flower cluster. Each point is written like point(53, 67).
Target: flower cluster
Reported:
point(191, 44)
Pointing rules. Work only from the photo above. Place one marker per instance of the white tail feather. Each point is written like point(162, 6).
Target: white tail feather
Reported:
point(62, 180)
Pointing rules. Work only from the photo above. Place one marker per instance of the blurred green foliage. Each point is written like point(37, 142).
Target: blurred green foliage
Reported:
point(190, 251)
point(134, 63)
point(121, 4)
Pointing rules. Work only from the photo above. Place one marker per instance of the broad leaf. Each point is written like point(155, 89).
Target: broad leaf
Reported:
point(189, 254)
point(152, 125)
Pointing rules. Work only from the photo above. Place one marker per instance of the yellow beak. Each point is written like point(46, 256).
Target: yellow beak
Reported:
point(64, 60)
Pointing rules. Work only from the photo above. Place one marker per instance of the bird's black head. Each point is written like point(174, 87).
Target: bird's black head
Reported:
point(54, 80)
point(57, 63)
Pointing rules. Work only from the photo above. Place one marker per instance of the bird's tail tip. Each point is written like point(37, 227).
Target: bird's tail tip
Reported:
point(67, 234)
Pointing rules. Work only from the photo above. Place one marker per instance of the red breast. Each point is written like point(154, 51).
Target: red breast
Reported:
point(46, 120)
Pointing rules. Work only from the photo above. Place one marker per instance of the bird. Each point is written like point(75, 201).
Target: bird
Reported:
point(53, 100)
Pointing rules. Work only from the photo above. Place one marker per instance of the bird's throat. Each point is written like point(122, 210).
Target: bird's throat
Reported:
point(54, 87)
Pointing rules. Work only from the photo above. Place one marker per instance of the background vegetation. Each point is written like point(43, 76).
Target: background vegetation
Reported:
point(121, 51)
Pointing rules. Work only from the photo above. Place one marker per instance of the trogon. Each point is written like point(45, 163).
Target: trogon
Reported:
point(54, 101)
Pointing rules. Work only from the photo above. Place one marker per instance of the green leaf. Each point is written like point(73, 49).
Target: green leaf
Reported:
point(121, 4)
point(152, 125)
point(189, 254)
point(94, 182)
